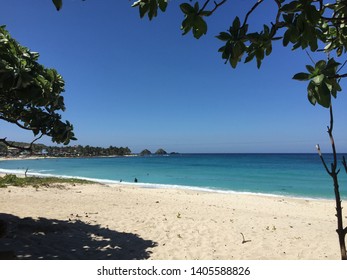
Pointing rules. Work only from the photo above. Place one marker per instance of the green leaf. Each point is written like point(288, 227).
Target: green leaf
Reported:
point(143, 9)
point(186, 8)
point(205, 13)
point(196, 7)
point(313, 44)
point(332, 65)
point(236, 23)
point(288, 18)
point(258, 63)
point(233, 62)
point(318, 79)
point(249, 58)
point(324, 100)
point(224, 36)
point(199, 27)
point(291, 7)
point(187, 24)
point(323, 89)
point(301, 76)
point(58, 4)
point(162, 5)
point(268, 50)
point(153, 9)
point(238, 50)
point(321, 65)
point(312, 14)
point(310, 68)
point(311, 98)
point(286, 37)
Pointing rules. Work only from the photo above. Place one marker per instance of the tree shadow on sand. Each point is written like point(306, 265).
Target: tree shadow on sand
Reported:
point(51, 239)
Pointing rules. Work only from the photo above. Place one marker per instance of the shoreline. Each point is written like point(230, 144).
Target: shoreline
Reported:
point(130, 222)
point(163, 186)
point(52, 157)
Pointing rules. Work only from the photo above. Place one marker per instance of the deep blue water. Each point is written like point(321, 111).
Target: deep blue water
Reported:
point(298, 175)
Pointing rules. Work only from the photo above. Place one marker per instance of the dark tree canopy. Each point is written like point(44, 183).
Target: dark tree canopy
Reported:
point(30, 94)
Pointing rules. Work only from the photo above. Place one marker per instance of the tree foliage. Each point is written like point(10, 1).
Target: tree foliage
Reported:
point(315, 25)
point(30, 94)
point(87, 151)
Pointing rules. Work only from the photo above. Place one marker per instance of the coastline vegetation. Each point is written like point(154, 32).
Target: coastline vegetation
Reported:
point(72, 151)
point(64, 151)
point(13, 180)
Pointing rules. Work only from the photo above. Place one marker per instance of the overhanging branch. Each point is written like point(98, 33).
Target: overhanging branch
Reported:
point(11, 145)
point(17, 123)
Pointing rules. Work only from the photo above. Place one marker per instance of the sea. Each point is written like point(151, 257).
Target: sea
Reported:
point(292, 175)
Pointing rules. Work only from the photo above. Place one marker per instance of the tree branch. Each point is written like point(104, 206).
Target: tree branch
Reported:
point(344, 163)
point(343, 65)
point(341, 231)
point(8, 144)
point(251, 11)
point(341, 19)
point(217, 5)
point(278, 12)
point(28, 148)
point(32, 143)
point(322, 159)
point(310, 57)
point(320, 4)
point(204, 6)
point(17, 123)
point(330, 131)
point(339, 76)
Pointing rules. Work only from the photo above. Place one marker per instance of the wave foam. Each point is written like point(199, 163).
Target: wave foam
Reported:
point(152, 185)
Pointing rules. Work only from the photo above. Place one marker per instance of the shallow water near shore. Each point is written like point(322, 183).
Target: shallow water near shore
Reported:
point(295, 175)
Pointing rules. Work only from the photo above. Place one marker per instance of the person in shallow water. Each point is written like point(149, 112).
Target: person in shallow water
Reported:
point(135, 180)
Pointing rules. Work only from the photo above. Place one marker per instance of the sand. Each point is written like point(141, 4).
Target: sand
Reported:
point(127, 222)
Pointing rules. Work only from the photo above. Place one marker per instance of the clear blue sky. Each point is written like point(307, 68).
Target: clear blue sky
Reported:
point(132, 82)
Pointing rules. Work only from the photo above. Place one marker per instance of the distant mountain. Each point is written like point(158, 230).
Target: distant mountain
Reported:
point(145, 153)
point(161, 152)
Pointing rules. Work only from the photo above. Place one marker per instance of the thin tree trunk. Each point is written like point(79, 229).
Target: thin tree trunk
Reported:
point(334, 174)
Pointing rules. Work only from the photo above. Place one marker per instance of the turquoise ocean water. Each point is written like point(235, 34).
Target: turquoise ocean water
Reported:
point(296, 175)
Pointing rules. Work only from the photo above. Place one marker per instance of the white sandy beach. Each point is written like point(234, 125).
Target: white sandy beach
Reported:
point(128, 222)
